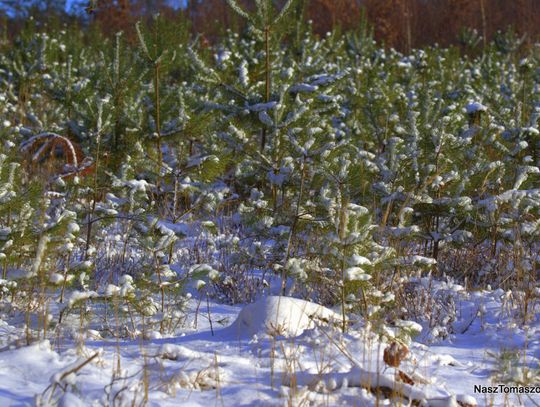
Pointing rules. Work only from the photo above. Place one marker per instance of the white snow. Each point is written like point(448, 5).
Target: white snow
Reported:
point(474, 107)
point(356, 274)
point(284, 316)
point(357, 260)
point(265, 118)
point(259, 107)
point(278, 351)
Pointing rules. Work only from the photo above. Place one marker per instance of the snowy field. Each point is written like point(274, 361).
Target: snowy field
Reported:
point(281, 352)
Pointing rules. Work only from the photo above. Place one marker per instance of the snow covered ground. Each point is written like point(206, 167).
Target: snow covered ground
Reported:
point(279, 352)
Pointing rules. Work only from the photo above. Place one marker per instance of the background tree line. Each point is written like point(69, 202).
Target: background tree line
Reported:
point(402, 24)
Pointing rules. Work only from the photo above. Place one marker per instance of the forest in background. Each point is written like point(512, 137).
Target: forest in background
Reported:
point(402, 24)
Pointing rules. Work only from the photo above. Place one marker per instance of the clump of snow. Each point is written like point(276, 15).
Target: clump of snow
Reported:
point(259, 107)
point(200, 284)
point(284, 316)
point(416, 260)
point(531, 130)
point(57, 278)
point(356, 274)
point(463, 400)
point(296, 268)
point(70, 400)
point(357, 260)
point(409, 325)
point(77, 296)
point(303, 88)
point(265, 118)
point(137, 185)
point(475, 107)
point(177, 352)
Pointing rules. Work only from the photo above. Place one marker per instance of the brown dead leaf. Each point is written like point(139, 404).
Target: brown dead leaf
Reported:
point(394, 354)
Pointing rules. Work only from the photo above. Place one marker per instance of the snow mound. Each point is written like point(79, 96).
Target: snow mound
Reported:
point(283, 316)
point(475, 107)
